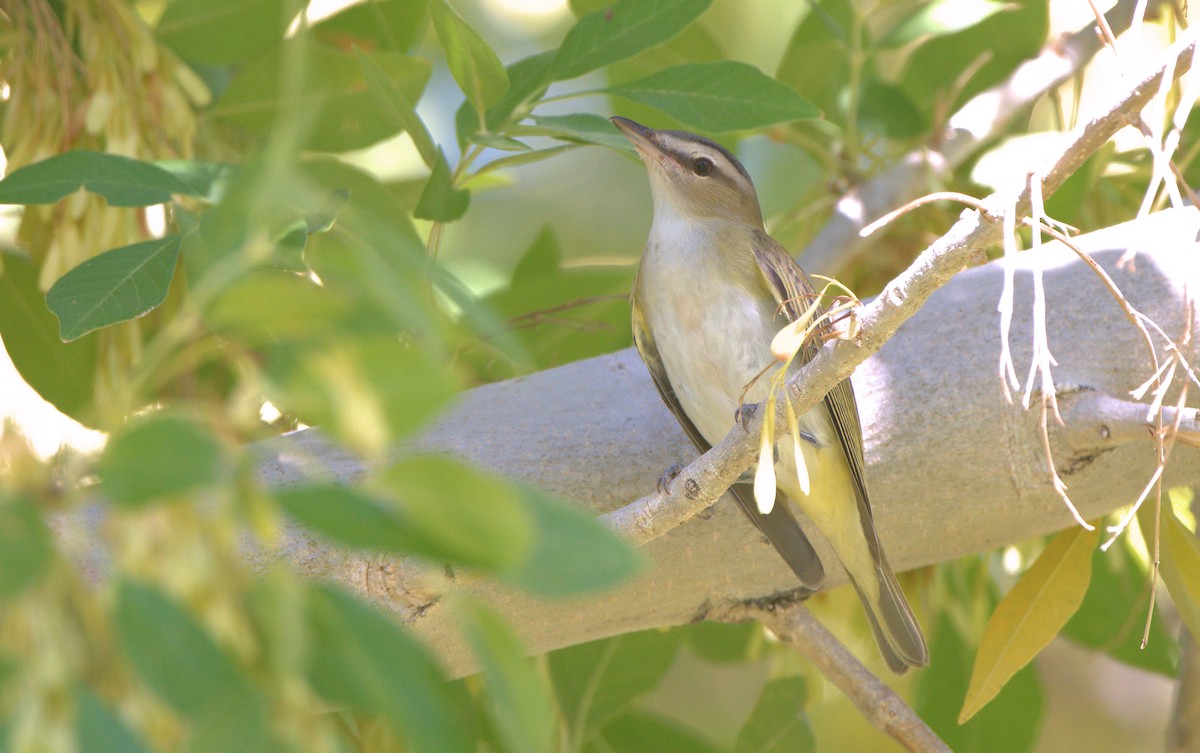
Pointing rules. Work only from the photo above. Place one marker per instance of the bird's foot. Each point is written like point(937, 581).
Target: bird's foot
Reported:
point(667, 476)
point(744, 413)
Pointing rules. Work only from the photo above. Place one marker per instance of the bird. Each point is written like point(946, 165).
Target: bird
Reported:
point(711, 291)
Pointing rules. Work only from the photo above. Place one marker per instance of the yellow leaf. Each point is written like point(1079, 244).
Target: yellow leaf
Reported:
point(1180, 564)
point(764, 477)
point(1031, 614)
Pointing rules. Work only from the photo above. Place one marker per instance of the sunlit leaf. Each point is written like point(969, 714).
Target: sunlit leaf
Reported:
point(26, 549)
point(363, 658)
point(114, 286)
point(778, 724)
point(719, 96)
point(383, 24)
point(123, 182)
point(159, 456)
point(397, 106)
point(583, 128)
point(1180, 566)
point(472, 62)
point(941, 17)
point(521, 704)
point(621, 31)
point(1032, 613)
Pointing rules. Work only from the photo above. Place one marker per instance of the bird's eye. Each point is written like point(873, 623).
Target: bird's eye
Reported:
point(703, 167)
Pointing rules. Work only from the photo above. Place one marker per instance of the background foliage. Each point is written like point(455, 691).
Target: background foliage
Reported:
point(240, 218)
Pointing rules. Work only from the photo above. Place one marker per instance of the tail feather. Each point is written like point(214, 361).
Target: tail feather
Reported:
point(785, 534)
point(896, 631)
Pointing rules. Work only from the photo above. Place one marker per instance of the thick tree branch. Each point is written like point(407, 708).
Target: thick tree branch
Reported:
point(980, 120)
point(954, 468)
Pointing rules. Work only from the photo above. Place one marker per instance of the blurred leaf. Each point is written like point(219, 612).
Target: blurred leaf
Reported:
point(441, 201)
point(206, 180)
point(496, 141)
point(385, 24)
point(363, 658)
point(99, 730)
point(621, 31)
point(778, 723)
point(582, 128)
point(330, 92)
point(1180, 566)
point(1032, 613)
point(939, 18)
point(1002, 41)
point(398, 107)
point(816, 61)
point(123, 182)
point(521, 705)
point(26, 549)
point(573, 552)
point(350, 517)
point(596, 681)
point(222, 32)
point(724, 642)
point(1113, 613)
point(159, 456)
point(1009, 724)
point(638, 731)
point(179, 661)
point(885, 109)
point(475, 67)
point(720, 96)
point(272, 305)
point(528, 79)
point(544, 256)
point(475, 519)
point(368, 390)
point(62, 373)
point(115, 286)
point(696, 44)
point(524, 158)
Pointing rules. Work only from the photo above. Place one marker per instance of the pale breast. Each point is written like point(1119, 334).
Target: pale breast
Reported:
point(713, 337)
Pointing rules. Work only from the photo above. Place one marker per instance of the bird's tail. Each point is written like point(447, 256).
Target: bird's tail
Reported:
point(896, 630)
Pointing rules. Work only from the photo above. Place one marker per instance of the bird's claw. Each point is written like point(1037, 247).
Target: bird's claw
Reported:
point(744, 413)
point(667, 476)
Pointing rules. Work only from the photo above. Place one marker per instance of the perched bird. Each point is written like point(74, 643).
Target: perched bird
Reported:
point(712, 290)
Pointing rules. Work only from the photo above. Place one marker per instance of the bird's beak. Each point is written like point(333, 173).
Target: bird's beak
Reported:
point(643, 138)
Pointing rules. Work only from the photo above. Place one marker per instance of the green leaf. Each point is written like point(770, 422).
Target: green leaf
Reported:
point(475, 67)
point(583, 128)
point(573, 552)
point(639, 731)
point(478, 520)
point(720, 96)
point(1031, 614)
point(724, 642)
point(496, 141)
point(26, 549)
point(115, 286)
point(123, 182)
point(272, 305)
point(521, 705)
point(1113, 614)
point(99, 730)
point(816, 62)
point(159, 456)
point(621, 31)
point(523, 158)
point(385, 24)
point(528, 79)
point(222, 32)
point(62, 373)
point(322, 86)
point(778, 724)
point(363, 658)
point(886, 110)
point(397, 106)
point(368, 390)
point(940, 18)
point(596, 681)
point(206, 180)
point(353, 518)
point(544, 256)
point(441, 201)
point(1010, 723)
point(1180, 565)
point(182, 664)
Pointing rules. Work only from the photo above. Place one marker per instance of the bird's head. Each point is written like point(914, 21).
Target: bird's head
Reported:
point(693, 176)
